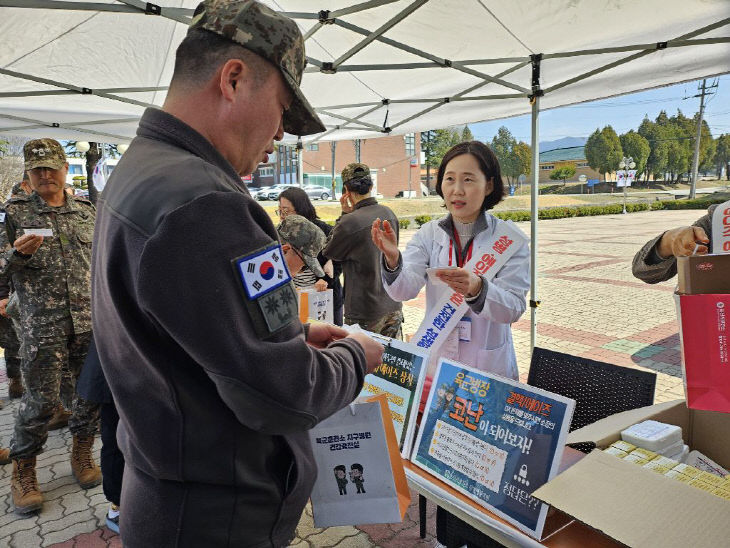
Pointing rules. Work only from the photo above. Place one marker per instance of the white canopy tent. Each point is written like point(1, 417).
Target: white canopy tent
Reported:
point(85, 70)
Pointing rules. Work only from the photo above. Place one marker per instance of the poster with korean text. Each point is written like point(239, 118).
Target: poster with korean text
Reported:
point(493, 439)
point(400, 376)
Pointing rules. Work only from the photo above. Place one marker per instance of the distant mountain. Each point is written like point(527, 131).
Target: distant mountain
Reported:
point(565, 142)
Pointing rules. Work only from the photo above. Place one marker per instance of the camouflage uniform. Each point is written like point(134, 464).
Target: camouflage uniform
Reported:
point(8, 337)
point(53, 288)
point(389, 325)
point(305, 237)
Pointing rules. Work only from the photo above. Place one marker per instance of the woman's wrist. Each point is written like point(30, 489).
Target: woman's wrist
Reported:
point(392, 262)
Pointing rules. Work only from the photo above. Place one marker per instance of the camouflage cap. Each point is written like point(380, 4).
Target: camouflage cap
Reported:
point(306, 238)
point(354, 171)
point(44, 153)
point(274, 37)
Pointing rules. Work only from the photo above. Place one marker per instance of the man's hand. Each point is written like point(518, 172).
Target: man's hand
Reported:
point(348, 206)
point(682, 241)
point(320, 285)
point(322, 334)
point(329, 269)
point(373, 350)
point(461, 280)
point(28, 244)
point(3, 307)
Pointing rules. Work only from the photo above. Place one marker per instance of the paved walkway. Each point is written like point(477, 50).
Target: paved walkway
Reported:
point(591, 306)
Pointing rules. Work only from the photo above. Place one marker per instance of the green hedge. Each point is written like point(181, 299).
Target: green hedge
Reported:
point(612, 209)
point(422, 220)
point(404, 223)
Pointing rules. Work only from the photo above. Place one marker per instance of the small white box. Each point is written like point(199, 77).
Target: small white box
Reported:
point(682, 455)
point(652, 435)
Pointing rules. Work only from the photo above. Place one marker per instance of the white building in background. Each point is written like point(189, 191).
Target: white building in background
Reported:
point(77, 167)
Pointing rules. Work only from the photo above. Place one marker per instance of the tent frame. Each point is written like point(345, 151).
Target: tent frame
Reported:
point(324, 17)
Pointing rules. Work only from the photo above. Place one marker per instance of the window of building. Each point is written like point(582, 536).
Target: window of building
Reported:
point(410, 139)
point(313, 147)
point(547, 168)
point(75, 169)
point(266, 171)
point(582, 164)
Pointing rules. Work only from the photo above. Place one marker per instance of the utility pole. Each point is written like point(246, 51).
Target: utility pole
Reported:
point(357, 150)
point(696, 159)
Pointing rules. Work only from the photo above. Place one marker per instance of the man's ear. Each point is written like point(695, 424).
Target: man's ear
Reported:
point(232, 74)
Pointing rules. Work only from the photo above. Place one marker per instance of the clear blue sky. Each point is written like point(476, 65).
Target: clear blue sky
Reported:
point(623, 113)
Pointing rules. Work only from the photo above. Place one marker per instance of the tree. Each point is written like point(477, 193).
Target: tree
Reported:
point(603, 151)
point(442, 140)
point(11, 164)
point(637, 147)
point(722, 155)
point(523, 158)
point(466, 135)
point(563, 172)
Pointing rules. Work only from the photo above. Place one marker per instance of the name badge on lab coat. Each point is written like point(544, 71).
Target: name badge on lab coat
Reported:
point(464, 327)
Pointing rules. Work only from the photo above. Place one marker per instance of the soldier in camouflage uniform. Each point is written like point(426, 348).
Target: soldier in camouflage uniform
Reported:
point(9, 328)
point(49, 268)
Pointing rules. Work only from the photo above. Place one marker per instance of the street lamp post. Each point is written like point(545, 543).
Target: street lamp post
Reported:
point(626, 164)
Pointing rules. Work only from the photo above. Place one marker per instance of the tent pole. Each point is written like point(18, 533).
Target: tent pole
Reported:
point(534, 192)
point(533, 220)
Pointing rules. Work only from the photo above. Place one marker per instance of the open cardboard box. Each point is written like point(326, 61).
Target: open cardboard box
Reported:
point(636, 506)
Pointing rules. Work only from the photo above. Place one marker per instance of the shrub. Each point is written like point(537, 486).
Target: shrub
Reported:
point(404, 223)
point(422, 220)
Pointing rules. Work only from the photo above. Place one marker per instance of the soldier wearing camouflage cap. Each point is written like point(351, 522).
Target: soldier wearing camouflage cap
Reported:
point(201, 327)
point(350, 243)
point(305, 239)
point(49, 270)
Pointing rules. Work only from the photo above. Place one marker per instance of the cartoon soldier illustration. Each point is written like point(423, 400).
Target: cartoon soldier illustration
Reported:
point(356, 477)
point(341, 477)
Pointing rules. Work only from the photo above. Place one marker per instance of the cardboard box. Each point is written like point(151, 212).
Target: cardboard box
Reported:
point(700, 274)
point(636, 506)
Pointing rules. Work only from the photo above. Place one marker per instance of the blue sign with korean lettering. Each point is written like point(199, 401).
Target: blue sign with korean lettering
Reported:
point(493, 439)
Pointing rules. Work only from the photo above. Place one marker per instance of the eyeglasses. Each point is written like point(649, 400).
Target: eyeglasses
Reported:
point(283, 212)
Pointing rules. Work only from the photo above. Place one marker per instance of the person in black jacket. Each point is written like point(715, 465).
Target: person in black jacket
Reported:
point(295, 200)
point(215, 379)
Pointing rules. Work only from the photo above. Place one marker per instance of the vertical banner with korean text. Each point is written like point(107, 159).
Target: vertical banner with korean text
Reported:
point(721, 228)
point(400, 376)
point(493, 439)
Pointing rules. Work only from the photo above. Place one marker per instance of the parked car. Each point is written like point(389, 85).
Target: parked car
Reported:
point(317, 192)
point(275, 190)
point(262, 194)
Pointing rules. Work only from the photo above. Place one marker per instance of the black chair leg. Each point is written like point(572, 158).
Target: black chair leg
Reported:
point(422, 514)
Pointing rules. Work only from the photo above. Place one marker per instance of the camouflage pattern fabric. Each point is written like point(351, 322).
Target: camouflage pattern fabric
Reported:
point(53, 286)
point(388, 325)
point(272, 36)
point(304, 236)
point(44, 153)
point(11, 345)
point(43, 363)
point(354, 171)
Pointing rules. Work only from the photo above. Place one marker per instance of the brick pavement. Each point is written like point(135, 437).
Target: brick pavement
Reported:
point(591, 306)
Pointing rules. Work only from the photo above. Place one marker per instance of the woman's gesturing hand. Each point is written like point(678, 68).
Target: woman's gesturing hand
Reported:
point(385, 240)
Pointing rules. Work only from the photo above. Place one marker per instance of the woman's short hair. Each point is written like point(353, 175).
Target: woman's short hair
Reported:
point(488, 163)
point(302, 204)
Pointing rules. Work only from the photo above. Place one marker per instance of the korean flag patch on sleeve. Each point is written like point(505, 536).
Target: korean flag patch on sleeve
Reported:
point(262, 271)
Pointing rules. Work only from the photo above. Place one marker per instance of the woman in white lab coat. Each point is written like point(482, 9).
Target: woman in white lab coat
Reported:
point(470, 182)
